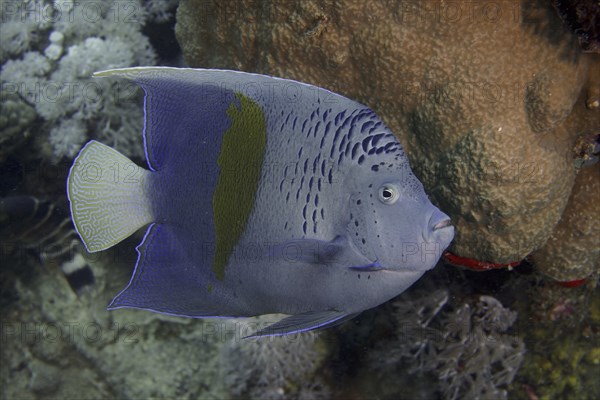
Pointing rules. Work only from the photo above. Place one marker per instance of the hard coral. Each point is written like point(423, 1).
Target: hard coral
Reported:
point(583, 18)
point(573, 251)
point(478, 93)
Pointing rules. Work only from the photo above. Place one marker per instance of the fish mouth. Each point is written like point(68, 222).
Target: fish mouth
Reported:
point(442, 224)
point(439, 231)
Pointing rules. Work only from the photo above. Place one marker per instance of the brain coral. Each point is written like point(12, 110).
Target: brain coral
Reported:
point(479, 93)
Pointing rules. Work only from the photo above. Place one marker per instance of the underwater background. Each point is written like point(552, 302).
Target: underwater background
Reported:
point(512, 310)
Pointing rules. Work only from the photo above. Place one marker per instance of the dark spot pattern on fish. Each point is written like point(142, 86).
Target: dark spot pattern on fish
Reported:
point(316, 163)
point(376, 139)
point(354, 150)
point(316, 130)
point(365, 126)
point(366, 142)
point(339, 116)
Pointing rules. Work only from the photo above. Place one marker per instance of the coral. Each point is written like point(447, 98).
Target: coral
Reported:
point(277, 367)
point(583, 18)
point(160, 10)
point(21, 26)
point(86, 98)
point(67, 137)
point(98, 354)
point(54, 76)
point(482, 96)
point(15, 115)
point(22, 79)
point(469, 349)
point(573, 250)
point(563, 343)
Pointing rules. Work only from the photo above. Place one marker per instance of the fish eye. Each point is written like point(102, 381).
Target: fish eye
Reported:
point(389, 194)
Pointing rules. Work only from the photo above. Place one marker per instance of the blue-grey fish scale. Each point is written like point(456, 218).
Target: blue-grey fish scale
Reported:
point(302, 150)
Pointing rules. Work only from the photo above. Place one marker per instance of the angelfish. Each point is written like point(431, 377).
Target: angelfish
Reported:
point(262, 195)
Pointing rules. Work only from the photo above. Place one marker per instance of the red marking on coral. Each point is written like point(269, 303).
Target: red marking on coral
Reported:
point(573, 283)
point(476, 265)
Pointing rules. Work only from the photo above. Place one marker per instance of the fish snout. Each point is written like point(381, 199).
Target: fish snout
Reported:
point(440, 228)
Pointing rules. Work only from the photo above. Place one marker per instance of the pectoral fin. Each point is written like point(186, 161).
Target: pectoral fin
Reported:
point(309, 321)
point(311, 251)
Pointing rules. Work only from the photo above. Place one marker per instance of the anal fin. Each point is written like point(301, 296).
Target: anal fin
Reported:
point(167, 279)
point(304, 322)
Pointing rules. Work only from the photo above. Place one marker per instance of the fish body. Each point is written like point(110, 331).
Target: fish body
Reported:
point(262, 195)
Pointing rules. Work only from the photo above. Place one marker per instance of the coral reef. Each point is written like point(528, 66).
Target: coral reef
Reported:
point(279, 367)
point(484, 97)
point(562, 333)
point(446, 101)
point(16, 119)
point(573, 251)
point(60, 343)
point(583, 18)
point(49, 51)
point(28, 223)
point(469, 349)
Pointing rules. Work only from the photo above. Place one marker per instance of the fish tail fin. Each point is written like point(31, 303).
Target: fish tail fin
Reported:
point(108, 195)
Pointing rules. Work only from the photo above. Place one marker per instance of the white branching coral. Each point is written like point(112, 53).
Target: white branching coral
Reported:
point(50, 50)
point(67, 137)
point(160, 10)
point(276, 367)
point(75, 93)
point(22, 25)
